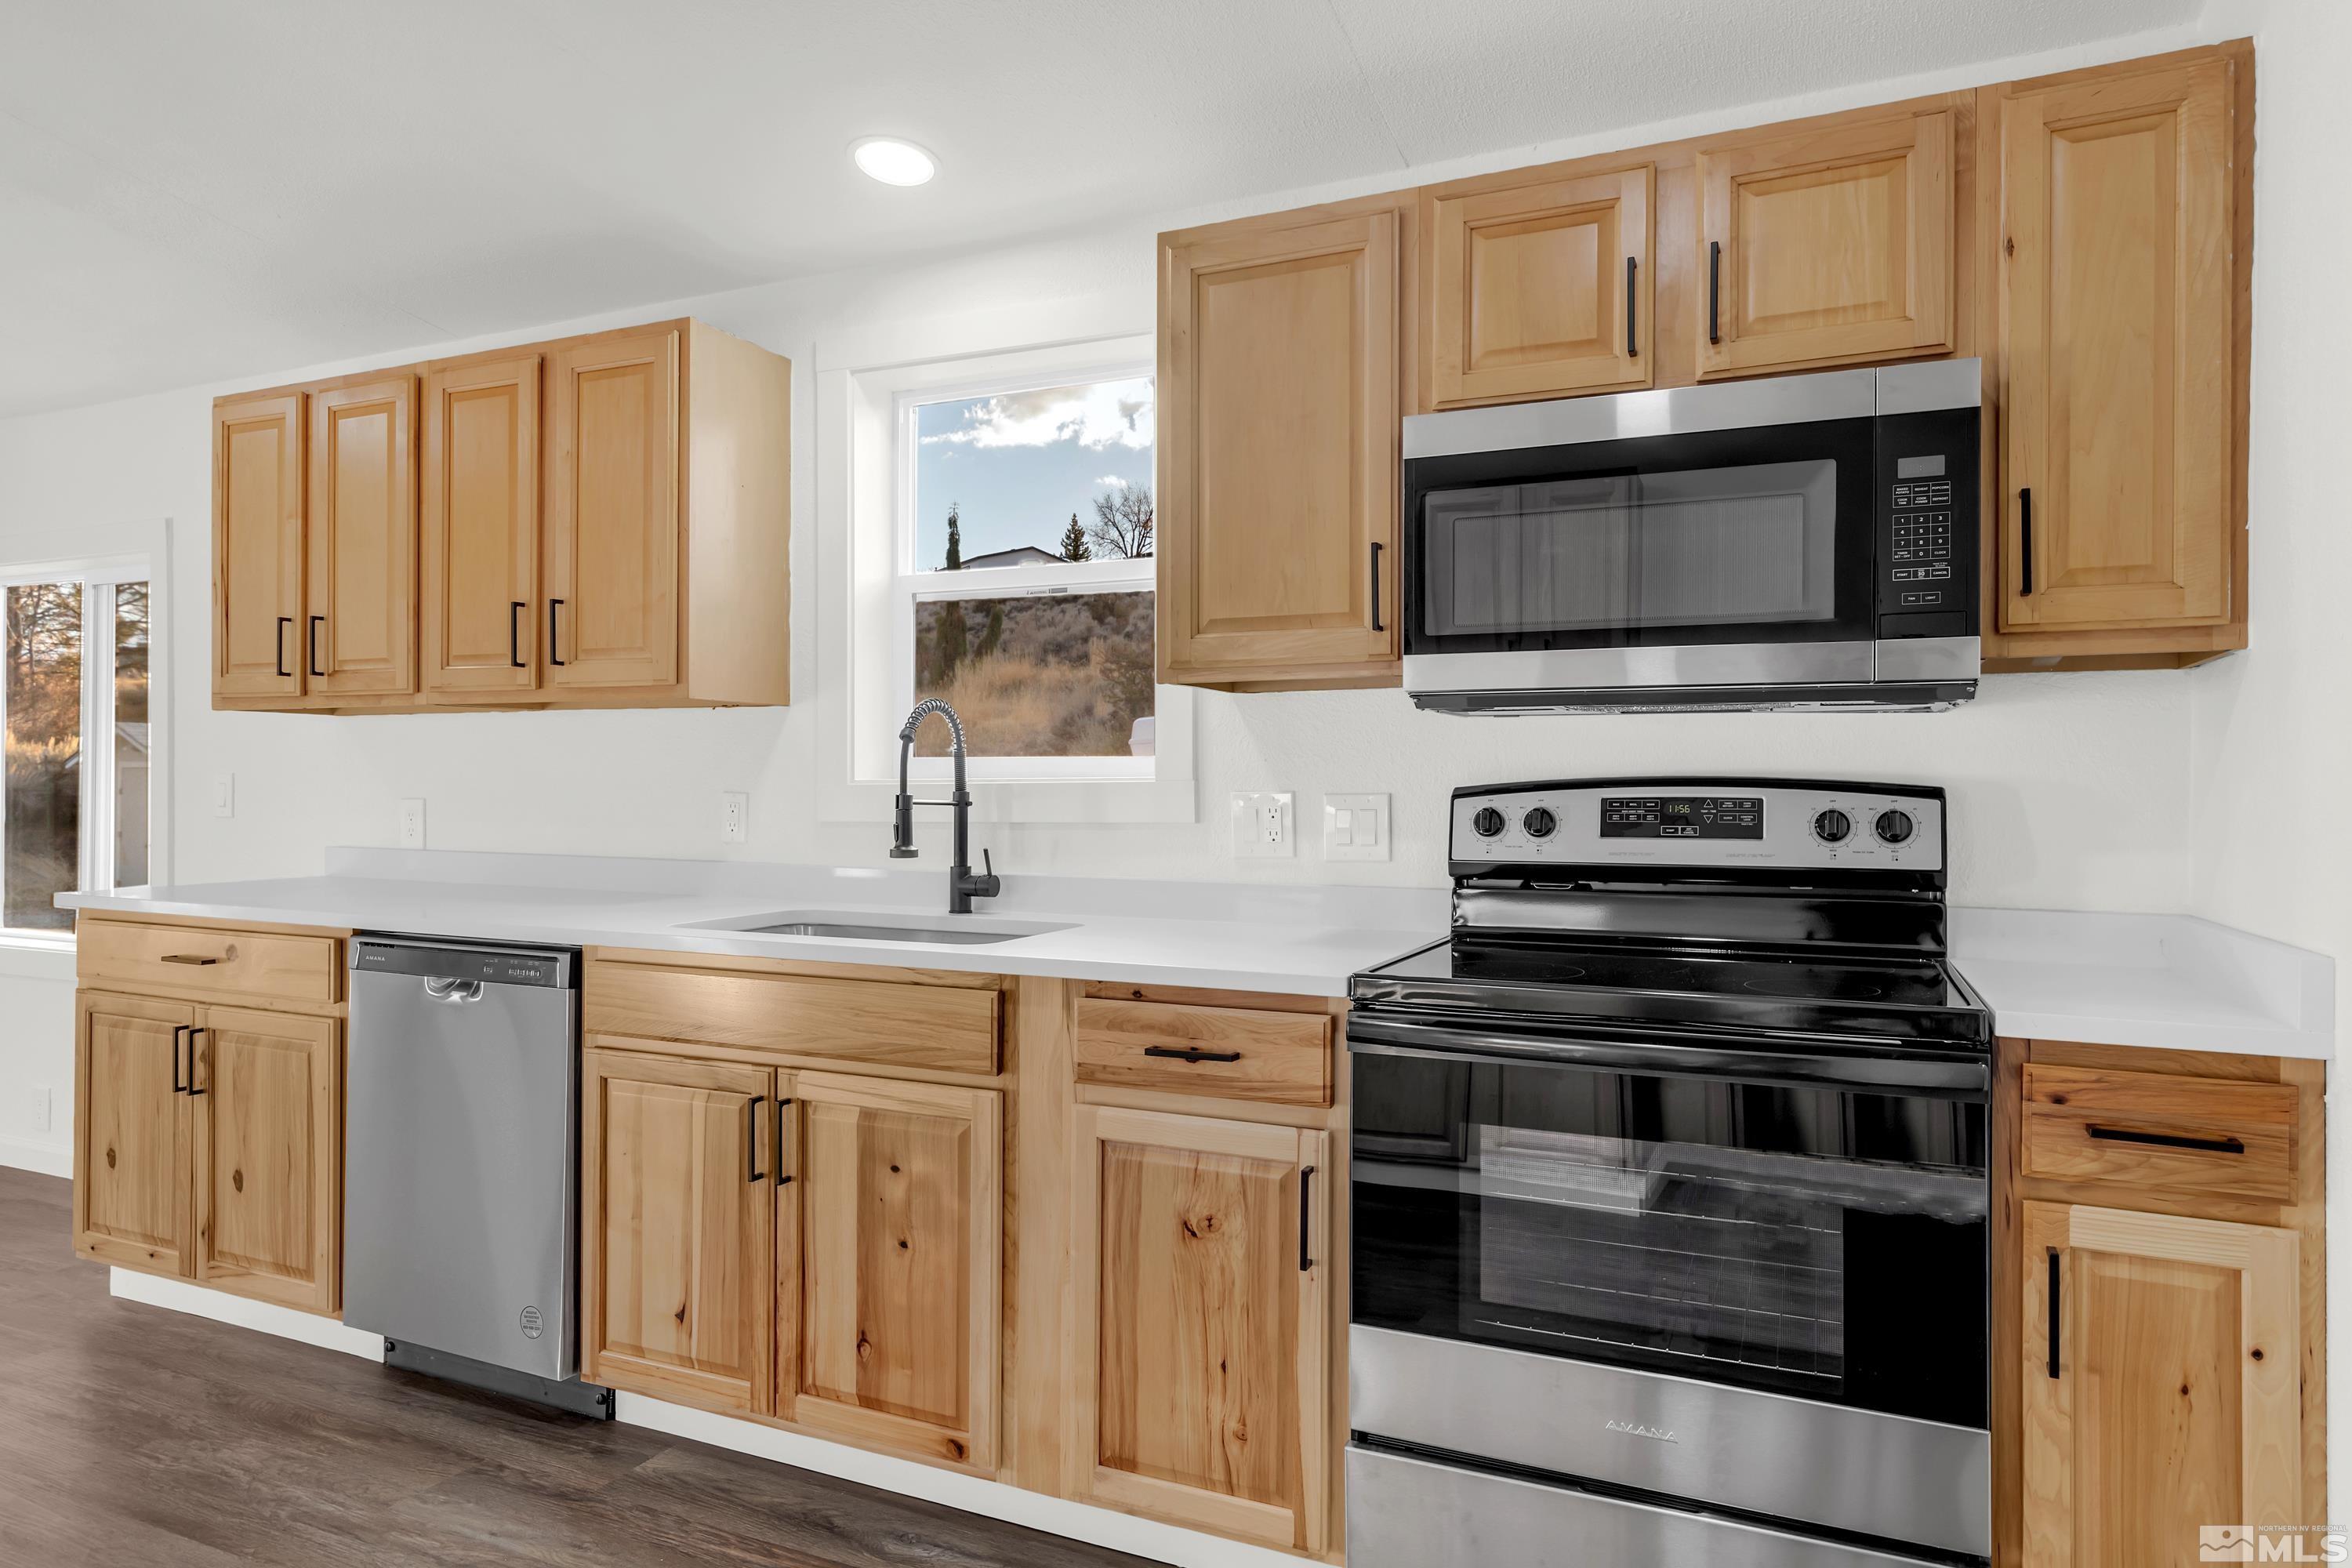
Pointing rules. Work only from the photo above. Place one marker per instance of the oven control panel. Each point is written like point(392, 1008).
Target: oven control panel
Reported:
point(1734, 822)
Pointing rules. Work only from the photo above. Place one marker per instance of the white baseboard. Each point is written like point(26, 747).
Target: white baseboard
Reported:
point(186, 1296)
point(48, 1159)
point(992, 1500)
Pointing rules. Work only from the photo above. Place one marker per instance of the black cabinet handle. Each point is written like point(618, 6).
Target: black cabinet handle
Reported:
point(551, 605)
point(2215, 1146)
point(783, 1166)
point(2055, 1320)
point(179, 1034)
point(1376, 587)
point(1713, 291)
point(752, 1135)
point(2025, 542)
point(1192, 1054)
point(1306, 1215)
point(283, 622)
point(1633, 349)
point(514, 632)
point(193, 1034)
point(315, 621)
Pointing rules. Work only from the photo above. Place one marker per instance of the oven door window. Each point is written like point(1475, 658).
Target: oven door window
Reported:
point(1817, 1242)
point(1725, 537)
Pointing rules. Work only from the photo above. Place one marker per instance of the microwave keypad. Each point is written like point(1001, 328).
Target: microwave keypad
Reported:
point(1923, 541)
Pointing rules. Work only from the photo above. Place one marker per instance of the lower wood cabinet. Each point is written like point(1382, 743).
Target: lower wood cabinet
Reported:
point(208, 1145)
point(1201, 1336)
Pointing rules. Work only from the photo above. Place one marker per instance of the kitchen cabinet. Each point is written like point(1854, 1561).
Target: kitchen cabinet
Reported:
point(677, 1231)
point(2123, 289)
point(1280, 398)
point(131, 1131)
point(890, 1214)
point(477, 518)
point(1825, 248)
point(611, 511)
point(358, 622)
point(1540, 288)
point(1201, 1334)
point(257, 546)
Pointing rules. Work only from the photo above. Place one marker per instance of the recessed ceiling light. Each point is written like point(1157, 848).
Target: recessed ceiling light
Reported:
point(893, 162)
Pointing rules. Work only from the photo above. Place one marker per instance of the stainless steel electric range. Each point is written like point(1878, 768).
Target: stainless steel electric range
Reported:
point(1670, 1190)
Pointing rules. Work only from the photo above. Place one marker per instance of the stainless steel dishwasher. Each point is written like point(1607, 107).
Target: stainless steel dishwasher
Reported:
point(460, 1159)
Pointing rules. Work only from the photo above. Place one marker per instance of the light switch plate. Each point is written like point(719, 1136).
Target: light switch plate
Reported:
point(1262, 826)
point(224, 795)
point(734, 816)
point(412, 823)
point(1356, 827)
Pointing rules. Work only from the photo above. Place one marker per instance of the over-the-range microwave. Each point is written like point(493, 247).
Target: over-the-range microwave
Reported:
point(1800, 542)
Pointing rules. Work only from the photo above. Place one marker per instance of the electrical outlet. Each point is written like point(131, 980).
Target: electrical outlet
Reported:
point(1262, 824)
point(411, 824)
point(224, 795)
point(734, 816)
point(1356, 827)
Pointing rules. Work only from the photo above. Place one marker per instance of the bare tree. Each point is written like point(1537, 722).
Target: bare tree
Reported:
point(1123, 521)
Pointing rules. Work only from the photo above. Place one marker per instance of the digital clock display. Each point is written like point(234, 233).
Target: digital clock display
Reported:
point(1682, 817)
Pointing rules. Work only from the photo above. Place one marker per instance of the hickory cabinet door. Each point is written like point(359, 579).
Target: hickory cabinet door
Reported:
point(890, 1227)
point(1830, 247)
point(2116, 323)
point(131, 1131)
point(1278, 471)
point(268, 1094)
point(613, 512)
point(359, 629)
point(257, 546)
point(482, 620)
point(1201, 1337)
point(1541, 289)
point(2161, 1367)
point(678, 1227)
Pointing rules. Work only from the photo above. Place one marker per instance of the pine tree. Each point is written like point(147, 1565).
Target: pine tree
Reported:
point(955, 541)
point(948, 646)
point(993, 638)
point(1073, 541)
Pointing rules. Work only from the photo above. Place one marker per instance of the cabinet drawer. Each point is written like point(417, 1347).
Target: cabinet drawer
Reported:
point(1235, 1053)
point(209, 960)
point(951, 1028)
point(2209, 1135)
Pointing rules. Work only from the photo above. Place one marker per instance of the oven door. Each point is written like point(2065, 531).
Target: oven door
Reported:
point(1739, 557)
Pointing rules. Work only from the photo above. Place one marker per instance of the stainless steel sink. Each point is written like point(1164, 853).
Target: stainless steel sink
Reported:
point(864, 925)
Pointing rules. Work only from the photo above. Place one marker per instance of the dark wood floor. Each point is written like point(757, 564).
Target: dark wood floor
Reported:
point(131, 1434)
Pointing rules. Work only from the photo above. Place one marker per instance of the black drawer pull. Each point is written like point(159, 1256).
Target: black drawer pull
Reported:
point(552, 605)
point(2025, 542)
point(2221, 1145)
point(188, 958)
point(1192, 1054)
point(1632, 348)
point(1305, 1217)
point(180, 1032)
point(2055, 1320)
point(192, 1035)
point(283, 622)
point(514, 633)
point(751, 1137)
point(1713, 291)
point(783, 1165)
point(1376, 587)
point(315, 621)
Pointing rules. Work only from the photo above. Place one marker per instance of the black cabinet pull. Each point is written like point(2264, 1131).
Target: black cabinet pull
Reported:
point(2216, 1145)
point(1192, 1054)
point(1713, 291)
point(752, 1135)
point(551, 605)
point(194, 958)
point(2054, 1319)
point(2025, 542)
point(179, 1034)
point(1633, 349)
point(514, 632)
point(283, 622)
point(315, 621)
point(1376, 587)
point(783, 1166)
point(193, 1034)
point(1305, 1216)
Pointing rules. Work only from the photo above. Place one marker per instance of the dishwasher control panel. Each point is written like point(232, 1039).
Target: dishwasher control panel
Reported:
point(459, 961)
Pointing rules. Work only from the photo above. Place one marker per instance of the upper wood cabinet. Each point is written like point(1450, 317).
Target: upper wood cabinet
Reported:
point(478, 523)
point(2119, 291)
point(1279, 389)
point(1826, 248)
point(613, 511)
point(2161, 1367)
point(258, 545)
point(358, 625)
point(1201, 1340)
point(1540, 288)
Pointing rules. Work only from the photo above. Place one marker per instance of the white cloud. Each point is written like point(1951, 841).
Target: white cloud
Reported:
point(1104, 414)
point(1116, 481)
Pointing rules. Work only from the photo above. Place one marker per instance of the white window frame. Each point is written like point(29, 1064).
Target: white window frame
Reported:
point(866, 546)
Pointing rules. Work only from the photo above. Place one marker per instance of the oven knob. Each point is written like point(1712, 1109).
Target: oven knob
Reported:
point(1832, 826)
point(1488, 822)
point(1894, 827)
point(1539, 822)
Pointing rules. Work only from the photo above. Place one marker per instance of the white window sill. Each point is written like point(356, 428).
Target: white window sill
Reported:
point(36, 955)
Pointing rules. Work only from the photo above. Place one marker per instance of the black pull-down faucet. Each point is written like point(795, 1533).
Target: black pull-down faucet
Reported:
point(962, 885)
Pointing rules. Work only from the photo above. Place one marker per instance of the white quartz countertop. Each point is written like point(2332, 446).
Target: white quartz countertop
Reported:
point(2166, 981)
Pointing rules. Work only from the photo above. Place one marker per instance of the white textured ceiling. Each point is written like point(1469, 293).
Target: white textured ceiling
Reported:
point(190, 192)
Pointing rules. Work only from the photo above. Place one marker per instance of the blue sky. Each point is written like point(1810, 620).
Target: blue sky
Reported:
point(1021, 463)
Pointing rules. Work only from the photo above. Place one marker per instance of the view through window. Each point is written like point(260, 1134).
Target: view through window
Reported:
point(1029, 538)
point(78, 743)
